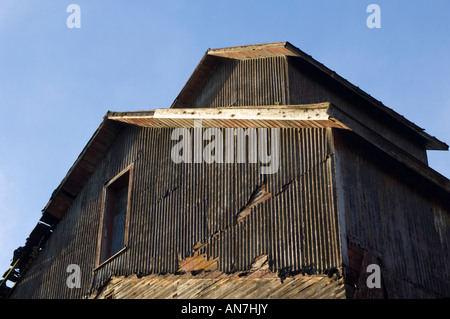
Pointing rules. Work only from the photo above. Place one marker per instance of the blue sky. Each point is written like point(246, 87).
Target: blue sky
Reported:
point(56, 83)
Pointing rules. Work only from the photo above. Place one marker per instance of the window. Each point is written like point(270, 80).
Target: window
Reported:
point(114, 224)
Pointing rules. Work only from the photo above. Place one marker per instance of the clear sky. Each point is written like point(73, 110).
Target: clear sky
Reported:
point(57, 83)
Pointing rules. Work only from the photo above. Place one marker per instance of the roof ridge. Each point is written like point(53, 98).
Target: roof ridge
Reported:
point(249, 47)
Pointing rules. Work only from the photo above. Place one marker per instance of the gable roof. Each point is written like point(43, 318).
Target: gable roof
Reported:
point(213, 58)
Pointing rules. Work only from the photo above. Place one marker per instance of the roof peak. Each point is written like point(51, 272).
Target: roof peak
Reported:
point(252, 51)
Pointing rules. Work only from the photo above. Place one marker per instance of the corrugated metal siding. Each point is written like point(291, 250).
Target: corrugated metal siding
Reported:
point(175, 206)
point(404, 224)
point(244, 82)
point(189, 203)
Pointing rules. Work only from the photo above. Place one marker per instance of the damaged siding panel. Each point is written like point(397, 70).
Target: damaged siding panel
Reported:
point(207, 216)
point(186, 204)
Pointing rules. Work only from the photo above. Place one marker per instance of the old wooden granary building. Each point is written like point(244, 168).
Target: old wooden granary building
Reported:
point(270, 176)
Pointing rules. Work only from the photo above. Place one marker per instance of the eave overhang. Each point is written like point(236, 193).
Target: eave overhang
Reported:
point(292, 116)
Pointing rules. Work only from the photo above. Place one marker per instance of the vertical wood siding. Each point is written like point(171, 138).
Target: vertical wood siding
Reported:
point(175, 206)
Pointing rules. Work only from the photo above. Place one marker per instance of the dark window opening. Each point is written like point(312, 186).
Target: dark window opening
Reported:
point(114, 230)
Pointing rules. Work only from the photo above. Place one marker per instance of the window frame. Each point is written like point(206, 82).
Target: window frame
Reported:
point(100, 259)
